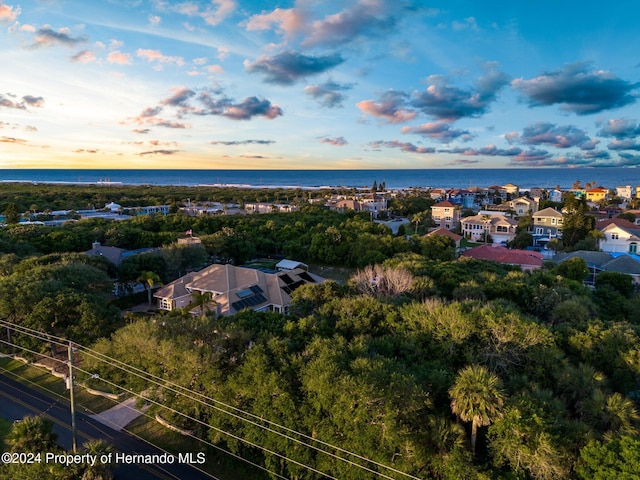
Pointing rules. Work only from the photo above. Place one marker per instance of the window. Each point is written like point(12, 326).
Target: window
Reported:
point(539, 231)
point(553, 221)
point(501, 228)
point(615, 236)
point(633, 247)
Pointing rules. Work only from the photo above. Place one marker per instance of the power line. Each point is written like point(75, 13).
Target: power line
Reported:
point(184, 391)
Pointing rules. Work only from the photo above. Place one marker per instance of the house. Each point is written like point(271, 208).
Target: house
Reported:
point(501, 228)
point(445, 232)
point(511, 189)
point(232, 289)
point(113, 254)
point(555, 196)
point(547, 224)
point(537, 193)
point(597, 194)
point(374, 204)
point(619, 235)
point(523, 206)
point(628, 264)
point(526, 259)
point(445, 214)
point(625, 192)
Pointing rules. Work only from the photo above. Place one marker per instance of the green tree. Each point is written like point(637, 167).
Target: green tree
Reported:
point(11, 214)
point(32, 434)
point(574, 269)
point(476, 397)
point(617, 458)
point(150, 280)
point(100, 470)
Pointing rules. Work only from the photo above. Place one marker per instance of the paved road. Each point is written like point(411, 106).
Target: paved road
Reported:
point(17, 401)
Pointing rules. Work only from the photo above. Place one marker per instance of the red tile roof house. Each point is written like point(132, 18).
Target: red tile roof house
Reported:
point(446, 233)
point(527, 260)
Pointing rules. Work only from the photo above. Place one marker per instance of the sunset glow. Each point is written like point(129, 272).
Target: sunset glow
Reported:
point(301, 84)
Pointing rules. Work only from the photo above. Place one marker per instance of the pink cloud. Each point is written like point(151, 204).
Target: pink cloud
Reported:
point(8, 13)
point(119, 58)
point(215, 69)
point(85, 56)
point(289, 21)
point(388, 110)
point(157, 56)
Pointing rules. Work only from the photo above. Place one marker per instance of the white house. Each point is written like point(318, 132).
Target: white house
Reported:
point(501, 228)
point(620, 236)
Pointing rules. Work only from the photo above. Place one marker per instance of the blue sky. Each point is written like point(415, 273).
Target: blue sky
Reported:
point(318, 84)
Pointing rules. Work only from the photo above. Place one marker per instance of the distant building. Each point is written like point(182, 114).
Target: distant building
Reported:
point(597, 194)
point(113, 254)
point(547, 224)
point(523, 206)
point(625, 192)
point(555, 196)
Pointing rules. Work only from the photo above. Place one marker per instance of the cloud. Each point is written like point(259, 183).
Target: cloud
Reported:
point(288, 20)
point(180, 97)
point(624, 144)
point(628, 160)
point(119, 58)
point(45, 37)
point(439, 131)
point(13, 140)
point(288, 67)
point(154, 20)
point(390, 107)
point(211, 15)
point(531, 158)
point(446, 102)
point(158, 152)
point(328, 94)
point(83, 56)
point(366, 18)
point(338, 141)
point(403, 146)
point(577, 90)
point(464, 161)
point(487, 150)
point(242, 142)
point(620, 129)
point(250, 107)
point(141, 130)
point(468, 23)
point(157, 56)
point(8, 13)
point(27, 100)
point(566, 136)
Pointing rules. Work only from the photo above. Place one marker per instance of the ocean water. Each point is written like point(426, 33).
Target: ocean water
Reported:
point(525, 178)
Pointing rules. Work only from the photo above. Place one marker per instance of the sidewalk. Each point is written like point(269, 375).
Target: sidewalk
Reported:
point(121, 415)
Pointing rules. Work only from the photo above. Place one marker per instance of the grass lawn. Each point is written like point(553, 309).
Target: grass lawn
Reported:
point(5, 427)
point(338, 274)
point(220, 464)
point(40, 379)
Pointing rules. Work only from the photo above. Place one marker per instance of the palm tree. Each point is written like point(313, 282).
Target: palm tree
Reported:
point(476, 397)
point(32, 434)
point(149, 280)
point(419, 217)
point(99, 471)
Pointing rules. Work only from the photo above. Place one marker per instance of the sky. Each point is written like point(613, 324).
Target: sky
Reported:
point(319, 84)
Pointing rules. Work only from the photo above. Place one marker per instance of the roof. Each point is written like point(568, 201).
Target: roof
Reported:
point(597, 190)
point(113, 254)
point(444, 204)
point(596, 259)
point(623, 264)
point(290, 265)
point(548, 212)
point(237, 288)
point(620, 222)
point(175, 289)
point(496, 253)
point(445, 233)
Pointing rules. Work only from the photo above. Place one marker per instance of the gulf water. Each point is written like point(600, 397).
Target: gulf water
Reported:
point(421, 178)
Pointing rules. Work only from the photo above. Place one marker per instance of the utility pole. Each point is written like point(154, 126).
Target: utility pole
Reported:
point(74, 432)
